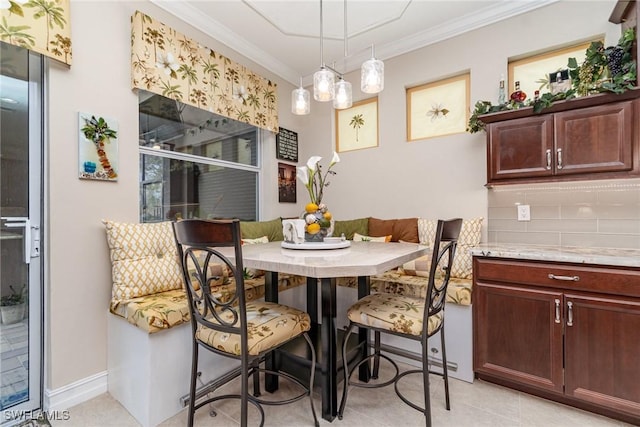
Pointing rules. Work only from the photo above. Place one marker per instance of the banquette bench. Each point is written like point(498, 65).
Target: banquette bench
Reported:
point(148, 333)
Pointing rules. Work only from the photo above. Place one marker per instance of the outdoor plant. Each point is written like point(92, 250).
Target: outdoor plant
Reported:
point(15, 298)
point(610, 69)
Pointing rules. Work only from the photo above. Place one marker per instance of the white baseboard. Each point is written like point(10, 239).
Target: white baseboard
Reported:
point(75, 393)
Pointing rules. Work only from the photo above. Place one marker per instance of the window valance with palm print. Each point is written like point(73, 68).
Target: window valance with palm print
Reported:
point(170, 64)
point(43, 26)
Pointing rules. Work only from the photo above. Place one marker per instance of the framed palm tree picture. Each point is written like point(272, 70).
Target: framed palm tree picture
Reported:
point(98, 147)
point(357, 127)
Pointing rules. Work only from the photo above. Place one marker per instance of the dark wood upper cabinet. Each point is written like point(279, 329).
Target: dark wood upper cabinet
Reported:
point(595, 137)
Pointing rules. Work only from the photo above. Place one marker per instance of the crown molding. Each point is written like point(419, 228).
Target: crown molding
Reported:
point(478, 19)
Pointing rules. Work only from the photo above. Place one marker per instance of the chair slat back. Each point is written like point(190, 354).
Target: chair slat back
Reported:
point(205, 269)
point(444, 250)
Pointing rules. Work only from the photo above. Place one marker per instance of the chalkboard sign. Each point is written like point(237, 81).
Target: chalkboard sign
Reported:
point(287, 145)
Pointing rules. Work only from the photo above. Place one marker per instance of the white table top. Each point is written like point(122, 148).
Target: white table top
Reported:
point(360, 259)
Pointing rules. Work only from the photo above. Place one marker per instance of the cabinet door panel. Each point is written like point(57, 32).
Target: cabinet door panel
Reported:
point(602, 352)
point(596, 139)
point(517, 335)
point(521, 148)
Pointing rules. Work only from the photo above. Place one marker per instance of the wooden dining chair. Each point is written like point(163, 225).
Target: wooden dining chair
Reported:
point(228, 325)
point(407, 317)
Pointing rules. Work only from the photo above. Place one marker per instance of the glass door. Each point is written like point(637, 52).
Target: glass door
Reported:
point(21, 332)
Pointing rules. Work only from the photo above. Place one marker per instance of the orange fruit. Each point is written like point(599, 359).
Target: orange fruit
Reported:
point(327, 215)
point(313, 228)
point(311, 207)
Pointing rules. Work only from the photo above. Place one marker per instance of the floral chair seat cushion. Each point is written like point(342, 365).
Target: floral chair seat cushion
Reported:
point(397, 313)
point(268, 324)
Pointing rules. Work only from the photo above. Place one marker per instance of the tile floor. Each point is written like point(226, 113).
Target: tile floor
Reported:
point(477, 404)
point(14, 363)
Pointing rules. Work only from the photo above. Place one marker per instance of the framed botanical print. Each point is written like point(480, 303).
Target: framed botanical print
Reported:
point(438, 108)
point(357, 127)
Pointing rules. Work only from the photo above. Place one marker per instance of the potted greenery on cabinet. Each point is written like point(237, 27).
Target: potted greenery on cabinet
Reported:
point(12, 307)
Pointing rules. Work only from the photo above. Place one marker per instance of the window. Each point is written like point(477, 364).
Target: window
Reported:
point(533, 70)
point(195, 164)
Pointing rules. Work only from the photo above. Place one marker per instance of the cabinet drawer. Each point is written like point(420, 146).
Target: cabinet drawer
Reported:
point(579, 277)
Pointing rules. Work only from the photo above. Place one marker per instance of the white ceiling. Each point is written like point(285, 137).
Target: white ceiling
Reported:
point(284, 36)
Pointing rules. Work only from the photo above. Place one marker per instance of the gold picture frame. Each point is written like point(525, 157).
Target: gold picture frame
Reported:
point(439, 108)
point(357, 127)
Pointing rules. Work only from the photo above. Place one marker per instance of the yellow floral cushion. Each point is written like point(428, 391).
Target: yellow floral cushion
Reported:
point(144, 259)
point(269, 325)
point(156, 312)
point(391, 312)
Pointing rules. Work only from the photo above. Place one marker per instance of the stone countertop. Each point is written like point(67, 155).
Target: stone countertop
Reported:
point(599, 256)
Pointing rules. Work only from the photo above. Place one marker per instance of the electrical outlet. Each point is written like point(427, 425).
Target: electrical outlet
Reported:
point(524, 213)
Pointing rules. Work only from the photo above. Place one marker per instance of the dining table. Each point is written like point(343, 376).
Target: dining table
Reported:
point(323, 265)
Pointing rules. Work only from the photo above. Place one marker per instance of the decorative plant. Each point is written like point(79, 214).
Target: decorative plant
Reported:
point(15, 298)
point(610, 69)
point(313, 179)
point(99, 132)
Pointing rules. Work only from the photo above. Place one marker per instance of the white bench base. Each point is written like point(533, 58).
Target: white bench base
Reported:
point(149, 373)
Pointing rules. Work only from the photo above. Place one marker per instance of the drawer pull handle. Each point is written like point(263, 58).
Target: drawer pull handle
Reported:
point(565, 278)
point(570, 314)
point(557, 310)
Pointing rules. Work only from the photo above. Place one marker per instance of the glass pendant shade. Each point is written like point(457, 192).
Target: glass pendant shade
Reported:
point(323, 85)
point(372, 76)
point(300, 103)
point(343, 96)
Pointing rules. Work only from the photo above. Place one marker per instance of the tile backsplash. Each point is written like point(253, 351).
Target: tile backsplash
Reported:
point(602, 214)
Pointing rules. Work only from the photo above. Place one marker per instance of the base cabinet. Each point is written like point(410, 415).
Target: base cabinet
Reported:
point(570, 333)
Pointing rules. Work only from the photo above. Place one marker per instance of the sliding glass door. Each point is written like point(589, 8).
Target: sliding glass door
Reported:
point(21, 124)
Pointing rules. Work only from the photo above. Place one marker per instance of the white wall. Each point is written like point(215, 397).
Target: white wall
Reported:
point(440, 177)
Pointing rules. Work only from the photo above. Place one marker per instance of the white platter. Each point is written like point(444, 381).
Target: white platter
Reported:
point(317, 245)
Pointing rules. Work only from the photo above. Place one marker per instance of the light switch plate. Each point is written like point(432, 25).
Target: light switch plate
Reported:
point(524, 213)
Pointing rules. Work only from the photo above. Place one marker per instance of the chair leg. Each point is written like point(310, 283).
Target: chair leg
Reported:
point(376, 357)
point(312, 379)
point(256, 383)
point(425, 384)
point(192, 387)
point(445, 373)
point(345, 369)
point(244, 390)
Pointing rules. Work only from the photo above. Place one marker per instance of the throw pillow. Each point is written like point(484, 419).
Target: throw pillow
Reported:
point(405, 229)
point(144, 259)
point(256, 229)
point(470, 233)
point(360, 238)
point(349, 227)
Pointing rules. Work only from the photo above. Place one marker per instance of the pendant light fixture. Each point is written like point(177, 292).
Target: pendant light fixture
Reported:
point(372, 74)
point(323, 79)
point(325, 87)
point(300, 103)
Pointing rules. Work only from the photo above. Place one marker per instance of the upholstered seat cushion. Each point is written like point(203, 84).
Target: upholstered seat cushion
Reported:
point(156, 312)
point(391, 312)
point(268, 324)
point(163, 310)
